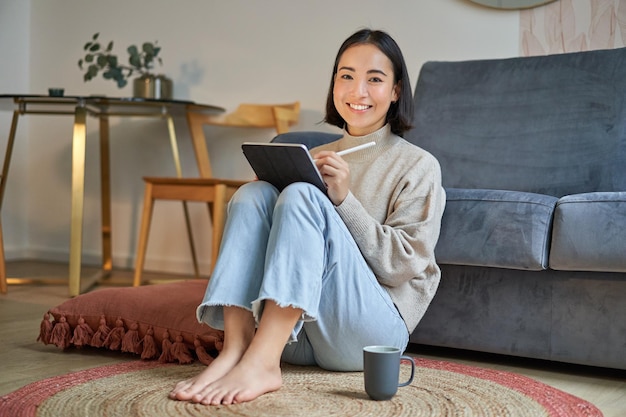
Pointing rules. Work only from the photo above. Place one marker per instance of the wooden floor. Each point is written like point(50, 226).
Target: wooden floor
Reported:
point(23, 360)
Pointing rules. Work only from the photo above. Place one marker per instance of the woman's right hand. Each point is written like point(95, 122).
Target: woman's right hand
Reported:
point(335, 173)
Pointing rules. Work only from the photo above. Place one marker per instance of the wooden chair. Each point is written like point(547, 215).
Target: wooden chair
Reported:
point(215, 192)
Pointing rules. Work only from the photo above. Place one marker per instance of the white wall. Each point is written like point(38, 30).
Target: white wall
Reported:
point(14, 73)
point(217, 52)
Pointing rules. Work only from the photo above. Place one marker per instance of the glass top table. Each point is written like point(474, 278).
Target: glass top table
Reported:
point(98, 105)
point(102, 107)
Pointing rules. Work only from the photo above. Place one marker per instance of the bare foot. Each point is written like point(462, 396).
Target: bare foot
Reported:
point(187, 389)
point(249, 365)
point(245, 382)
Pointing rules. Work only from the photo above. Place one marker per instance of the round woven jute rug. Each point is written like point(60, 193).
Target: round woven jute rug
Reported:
point(439, 389)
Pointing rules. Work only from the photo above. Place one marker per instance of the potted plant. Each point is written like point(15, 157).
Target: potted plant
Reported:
point(141, 61)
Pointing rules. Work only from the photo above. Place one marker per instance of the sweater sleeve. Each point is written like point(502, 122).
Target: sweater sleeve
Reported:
point(402, 247)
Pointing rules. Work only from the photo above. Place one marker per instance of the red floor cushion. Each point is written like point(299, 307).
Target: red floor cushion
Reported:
point(153, 321)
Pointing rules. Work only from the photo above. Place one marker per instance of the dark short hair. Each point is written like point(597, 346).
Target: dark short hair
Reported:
point(401, 112)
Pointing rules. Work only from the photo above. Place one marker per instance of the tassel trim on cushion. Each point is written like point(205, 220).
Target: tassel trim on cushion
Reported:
point(82, 334)
point(126, 337)
point(45, 330)
point(131, 342)
point(201, 353)
point(61, 333)
point(180, 351)
point(166, 349)
point(149, 348)
point(101, 334)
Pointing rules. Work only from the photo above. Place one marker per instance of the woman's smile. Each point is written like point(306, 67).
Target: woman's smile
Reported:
point(359, 106)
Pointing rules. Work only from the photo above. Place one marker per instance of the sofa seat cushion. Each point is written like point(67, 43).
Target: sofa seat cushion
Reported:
point(493, 228)
point(590, 233)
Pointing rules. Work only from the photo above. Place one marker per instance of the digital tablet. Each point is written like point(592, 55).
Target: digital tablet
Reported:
point(282, 164)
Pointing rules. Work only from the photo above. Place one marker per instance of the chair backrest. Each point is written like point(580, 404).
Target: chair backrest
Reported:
point(286, 116)
point(278, 116)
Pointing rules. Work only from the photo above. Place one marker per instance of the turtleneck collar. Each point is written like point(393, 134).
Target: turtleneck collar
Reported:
point(382, 137)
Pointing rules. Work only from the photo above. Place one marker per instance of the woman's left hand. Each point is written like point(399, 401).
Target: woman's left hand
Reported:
point(335, 173)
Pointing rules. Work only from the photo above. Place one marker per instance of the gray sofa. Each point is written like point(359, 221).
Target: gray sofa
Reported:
point(533, 239)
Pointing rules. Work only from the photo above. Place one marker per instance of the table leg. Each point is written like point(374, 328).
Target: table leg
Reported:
point(3, 181)
point(179, 173)
point(78, 195)
point(7, 155)
point(105, 194)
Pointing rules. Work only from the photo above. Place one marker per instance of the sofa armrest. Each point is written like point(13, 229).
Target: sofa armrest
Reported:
point(493, 228)
point(590, 233)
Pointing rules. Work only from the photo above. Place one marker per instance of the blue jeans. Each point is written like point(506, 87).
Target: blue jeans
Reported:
point(294, 249)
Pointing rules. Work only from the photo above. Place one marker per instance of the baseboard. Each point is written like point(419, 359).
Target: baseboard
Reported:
point(160, 264)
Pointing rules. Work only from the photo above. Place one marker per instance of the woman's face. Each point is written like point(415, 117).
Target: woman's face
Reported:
point(364, 88)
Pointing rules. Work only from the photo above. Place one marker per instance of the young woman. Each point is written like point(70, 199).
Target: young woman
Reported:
point(311, 279)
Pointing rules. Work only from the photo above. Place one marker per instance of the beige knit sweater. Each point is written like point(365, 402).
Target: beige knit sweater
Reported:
point(394, 211)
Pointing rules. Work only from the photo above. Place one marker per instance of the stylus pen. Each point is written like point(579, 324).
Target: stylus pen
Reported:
point(356, 148)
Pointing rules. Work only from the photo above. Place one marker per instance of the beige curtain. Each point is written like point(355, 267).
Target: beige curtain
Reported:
point(572, 26)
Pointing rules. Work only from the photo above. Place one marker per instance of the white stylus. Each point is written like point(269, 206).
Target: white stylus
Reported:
point(356, 148)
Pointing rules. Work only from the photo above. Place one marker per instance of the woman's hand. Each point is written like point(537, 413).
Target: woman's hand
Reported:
point(335, 173)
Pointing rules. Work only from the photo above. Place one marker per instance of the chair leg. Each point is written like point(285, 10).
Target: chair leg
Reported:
point(3, 272)
point(144, 231)
point(192, 247)
point(219, 218)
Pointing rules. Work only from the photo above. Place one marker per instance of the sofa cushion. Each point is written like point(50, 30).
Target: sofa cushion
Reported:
point(502, 229)
point(590, 233)
point(544, 124)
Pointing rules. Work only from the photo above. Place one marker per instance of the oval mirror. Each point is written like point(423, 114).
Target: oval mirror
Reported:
point(512, 4)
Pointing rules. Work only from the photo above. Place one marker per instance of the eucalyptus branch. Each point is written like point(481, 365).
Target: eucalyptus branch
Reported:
point(98, 60)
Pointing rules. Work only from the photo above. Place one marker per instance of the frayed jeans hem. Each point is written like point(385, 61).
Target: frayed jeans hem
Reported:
point(257, 311)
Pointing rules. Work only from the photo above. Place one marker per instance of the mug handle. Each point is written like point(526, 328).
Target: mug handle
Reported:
point(410, 359)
